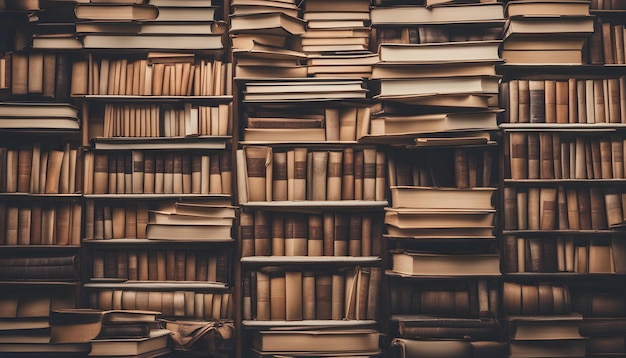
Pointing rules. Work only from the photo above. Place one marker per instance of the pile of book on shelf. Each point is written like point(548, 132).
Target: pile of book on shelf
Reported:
point(131, 333)
point(607, 43)
point(301, 89)
point(549, 32)
point(541, 321)
point(356, 342)
point(266, 39)
point(208, 220)
point(25, 318)
point(38, 115)
point(157, 25)
point(337, 38)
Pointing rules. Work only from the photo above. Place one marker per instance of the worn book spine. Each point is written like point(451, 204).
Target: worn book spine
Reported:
point(369, 174)
point(323, 296)
point(309, 295)
point(537, 105)
point(562, 102)
point(262, 296)
point(278, 235)
point(334, 176)
point(319, 175)
point(262, 234)
point(258, 161)
point(293, 296)
point(524, 101)
point(277, 296)
point(341, 234)
point(315, 242)
point(296, 235)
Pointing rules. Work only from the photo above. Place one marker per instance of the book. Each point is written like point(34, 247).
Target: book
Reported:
point(439, 85)
point(416, 263)
point(546, 8)
point(267, 23)
point(415, 197)
point(451, 14)
point(437, 218)
point(440, 52)
point(337, 341)
point(428, 123)
point(153, 41)
point(115, 12)
point(157, 340)
point(198, 232)
point(544, 328)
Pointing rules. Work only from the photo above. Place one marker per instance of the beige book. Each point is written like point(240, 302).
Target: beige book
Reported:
point(319, 180)
point(262, 296)
point(293, 296)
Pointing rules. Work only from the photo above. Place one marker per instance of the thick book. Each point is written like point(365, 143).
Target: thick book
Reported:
point(200, 232)
point(427, 264)
point(551, 327)
point(336, 341)
point(158, 339)
point(153, 41)
point(275, 23)
point(417, 197)
point(484, 85)
point(444, 122)
point(115, 12)
point(438, 218)
point(440, 52)
point(547, 8)
point(452, 14)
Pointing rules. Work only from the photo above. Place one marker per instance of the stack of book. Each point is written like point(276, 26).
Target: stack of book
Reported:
point(605, 336)
point(323, 342)
point(540, 336)
point(132, 333)
point(265, 37)
point(546, 32)
point(440, 212)
point(211, 221)
point(132, 25)
point(337, 38)
point(25, 320)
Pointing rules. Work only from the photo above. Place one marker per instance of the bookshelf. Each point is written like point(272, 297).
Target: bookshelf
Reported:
point(575, 247)
point(40, 197)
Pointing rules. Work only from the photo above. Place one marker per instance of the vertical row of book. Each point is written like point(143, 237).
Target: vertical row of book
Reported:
point(563, 176)
point(436, 109)
point(311, 196)
point(40, 205)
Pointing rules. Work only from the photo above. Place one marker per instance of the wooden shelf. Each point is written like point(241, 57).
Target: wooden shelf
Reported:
point(438, 239)
point(318, 323)
point(156, 99)
point(562, 127)
point(558, 71)
point(561, 276)
point(311, 260)
point(468, 276)
point(142, 242)
point(154, 196)
point(157, 285)
point(550, 182)
point(605, 232)
point(316, 206)
point(162, 143)
point(33, 196)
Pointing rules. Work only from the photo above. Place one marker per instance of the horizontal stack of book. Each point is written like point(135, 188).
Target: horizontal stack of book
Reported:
point(345, 124)
point(131, 25)
point(337, 38)
point(132, 333)
point(38, 116)
point(547, 32)
point(265, 39)
point(556, 336)
point(25, 319)
point(290, 90)
point(170, 224)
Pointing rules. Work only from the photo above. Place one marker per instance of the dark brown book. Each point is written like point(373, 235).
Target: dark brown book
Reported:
point(534, 155)
point(315, 243)
point(562, 102)
point(584, 209)
point(323, 296)
point(246, 233)
point(328, 234)
point(278, 235)
point(546, 155)
point(510, 253)
point(257, 160)
point(598, 209)
point(518, 143)
point(334, 176)
point(369, 174)
point(63, 77)
point(262, 234)
point(347, 170)
point(358, 174)
point(537, 104)
point(461, 168)
point(341, 234)
point(524, 101)
point(309, 295)
point(25, 158)
point(279, 176)
point(354, 235)
point(296, 235)
point(19, 73)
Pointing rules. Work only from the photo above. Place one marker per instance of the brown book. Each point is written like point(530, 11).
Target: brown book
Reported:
point(279, 183)
point(546, 156)
point(347, 170)
point(323, 296)
point(518, 143)
point(262, 234)
point(278, 236)
point(369, 174)
point(599, 102)
point(296, 235)
point(524, 101)
point(606, 161)
point(510, 208)
point(537, 101)
point(584, 209)
point(381, 175)
point(598, 209)
point(550, 101)
point(355, 235)
point(535, 208)
point(55, 159)
point(358, 174)
point(347, 124)
point(512, 101)
point(315, 242)
point(309, 295)
point(262, 296)
point(215, 175)
point(49, 74)
point(572, 101)
point(277, 296)
point(534, 156)
point(19, 73)
point(25, 158)
point(341, 234)
point(328, 232)
point(562, 102)
point(293, 296)
point(246, 233)
point(334, 176)
point(300, 174)
point(319, 175)
point(258, 159)
point(332, 124)
point(461, 169)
